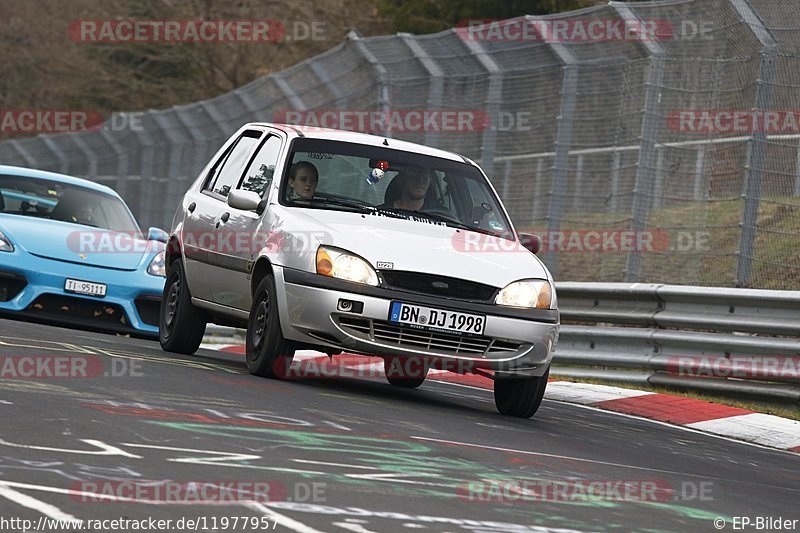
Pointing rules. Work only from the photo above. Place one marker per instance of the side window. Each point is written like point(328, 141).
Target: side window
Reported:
point(261, 171)
point(482, 213)
point(225, 177)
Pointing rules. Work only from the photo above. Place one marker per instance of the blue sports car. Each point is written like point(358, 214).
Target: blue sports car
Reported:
point(72, 253)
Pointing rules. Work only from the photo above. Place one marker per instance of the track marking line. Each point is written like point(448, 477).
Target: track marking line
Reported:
point(282, 519)
point(106, 449)
point(37, 505)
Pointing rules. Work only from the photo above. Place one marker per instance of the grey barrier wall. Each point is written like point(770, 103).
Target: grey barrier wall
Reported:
point(634, 157)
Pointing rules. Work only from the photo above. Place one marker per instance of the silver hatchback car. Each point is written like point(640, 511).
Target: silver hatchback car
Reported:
point(347, 242)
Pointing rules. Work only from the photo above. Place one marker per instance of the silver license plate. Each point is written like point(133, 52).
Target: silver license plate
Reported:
point(439, 319)
point(85, 287)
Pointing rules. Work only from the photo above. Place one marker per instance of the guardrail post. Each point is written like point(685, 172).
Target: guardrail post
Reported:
point(757, 145)
point(643, 185)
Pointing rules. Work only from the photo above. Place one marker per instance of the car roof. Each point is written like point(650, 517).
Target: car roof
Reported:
point(314, 132)
point(54, 176)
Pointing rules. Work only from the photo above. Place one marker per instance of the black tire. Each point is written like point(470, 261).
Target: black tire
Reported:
point(520, 397)
point(268, 353)
point(396, 373)
point(181, 325)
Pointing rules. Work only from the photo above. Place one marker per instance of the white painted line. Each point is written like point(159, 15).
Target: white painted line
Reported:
point(768, 430)
point(587, 394)
point(355, 528)
point(37, 505)
point(107, 449)
point(281, 519)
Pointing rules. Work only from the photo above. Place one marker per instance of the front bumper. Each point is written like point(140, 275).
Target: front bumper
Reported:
point(515, 341)
point(130, 305)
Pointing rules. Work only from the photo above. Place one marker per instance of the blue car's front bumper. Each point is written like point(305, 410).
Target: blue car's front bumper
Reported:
point(33, 287)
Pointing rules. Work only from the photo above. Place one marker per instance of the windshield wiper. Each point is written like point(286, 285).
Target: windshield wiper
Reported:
point(441, 218)
point(364, 208)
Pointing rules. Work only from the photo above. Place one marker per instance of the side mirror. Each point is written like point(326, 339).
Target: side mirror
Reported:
point(157, 234)
point(244, 200)
point(531, 242)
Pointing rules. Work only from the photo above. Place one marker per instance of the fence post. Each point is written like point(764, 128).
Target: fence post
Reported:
point(436, 75)
point(757, 145)
point(325, 77)
point(494, 95)
point(563, 145)
point(384, 100)
point(17, 146)
point(647, 163)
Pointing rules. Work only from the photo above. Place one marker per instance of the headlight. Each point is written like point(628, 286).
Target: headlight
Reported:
point(344, 265)
point(158, 265)
point(535, 293)
point(5, 244)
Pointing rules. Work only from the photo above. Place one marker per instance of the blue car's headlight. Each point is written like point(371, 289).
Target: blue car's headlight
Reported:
point(5, 244)
point(158, 265)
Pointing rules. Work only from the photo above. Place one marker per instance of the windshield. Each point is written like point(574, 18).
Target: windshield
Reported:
point(31, 197)
point(345, 176)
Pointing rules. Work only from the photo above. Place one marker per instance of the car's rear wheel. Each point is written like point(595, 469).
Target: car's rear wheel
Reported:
point(181, 325)
point(399, 372)
point(268, 353)
point(520, 396)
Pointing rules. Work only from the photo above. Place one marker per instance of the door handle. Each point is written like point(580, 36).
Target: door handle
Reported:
point(192, 207)
point(222, 219)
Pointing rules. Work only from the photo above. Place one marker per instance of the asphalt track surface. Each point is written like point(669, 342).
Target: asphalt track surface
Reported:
point(344, 454)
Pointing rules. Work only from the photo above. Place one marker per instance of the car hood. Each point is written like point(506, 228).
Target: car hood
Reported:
point(417, 246)
point(74, 243)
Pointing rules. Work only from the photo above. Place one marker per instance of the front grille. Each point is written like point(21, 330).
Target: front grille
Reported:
point(435, 285)
point(149, 309)
point(389, 333)
point(69, 308)
point(11, 285)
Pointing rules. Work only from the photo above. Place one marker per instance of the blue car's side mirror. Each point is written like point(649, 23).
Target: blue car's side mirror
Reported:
point(157, 234)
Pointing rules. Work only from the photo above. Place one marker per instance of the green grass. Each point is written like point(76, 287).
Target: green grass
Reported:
point(776, 264)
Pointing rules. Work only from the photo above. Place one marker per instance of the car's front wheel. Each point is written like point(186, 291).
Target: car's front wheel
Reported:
point(520, 396)
point(268, 353)
point(181, 325)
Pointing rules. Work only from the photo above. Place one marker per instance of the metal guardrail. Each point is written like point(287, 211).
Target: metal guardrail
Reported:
point(737, 342)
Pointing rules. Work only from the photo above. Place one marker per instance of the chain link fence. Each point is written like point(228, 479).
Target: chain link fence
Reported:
point(646, 142)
